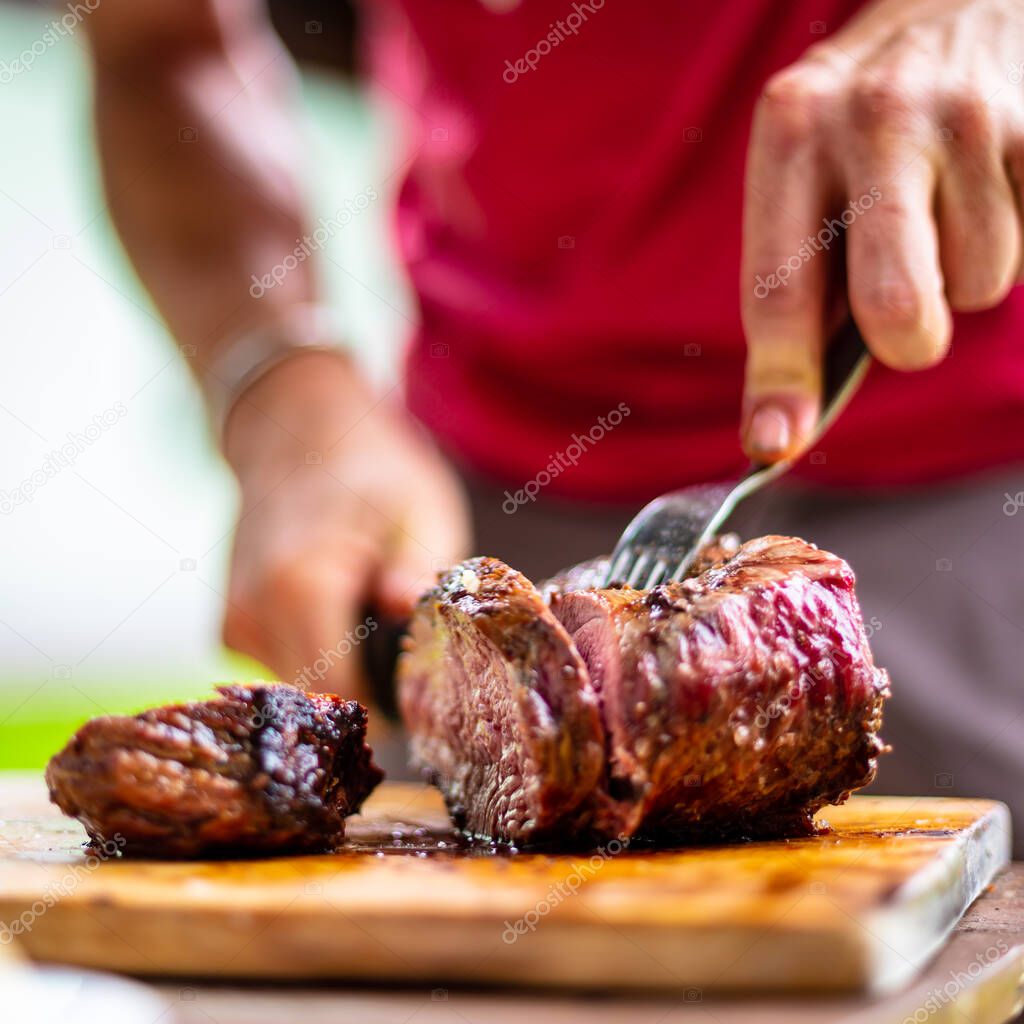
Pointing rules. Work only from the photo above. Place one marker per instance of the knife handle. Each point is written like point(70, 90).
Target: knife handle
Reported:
point(380, 652)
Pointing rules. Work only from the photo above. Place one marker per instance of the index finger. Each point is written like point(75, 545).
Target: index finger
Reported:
point(787, 238)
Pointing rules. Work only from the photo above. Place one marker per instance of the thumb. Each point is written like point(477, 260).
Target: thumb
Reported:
point(435, 536)
point(777, 421)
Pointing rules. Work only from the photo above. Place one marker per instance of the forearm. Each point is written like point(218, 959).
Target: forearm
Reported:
point(199, 161)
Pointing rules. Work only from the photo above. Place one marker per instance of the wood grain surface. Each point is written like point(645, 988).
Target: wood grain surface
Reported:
point(860, 908)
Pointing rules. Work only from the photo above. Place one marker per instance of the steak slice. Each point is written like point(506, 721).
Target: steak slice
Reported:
point(738, 702)
point(264, 768)
point(734, 703)
point(500, 707)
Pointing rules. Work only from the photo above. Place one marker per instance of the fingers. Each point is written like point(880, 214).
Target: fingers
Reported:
point(243, 633)
point(894, 279)
point(895, 282)
point(979, 225)
point(786, 248)
point(927, 171)
point(313, 569)
point(303, 617)
point(434, 537)
point(320, 608)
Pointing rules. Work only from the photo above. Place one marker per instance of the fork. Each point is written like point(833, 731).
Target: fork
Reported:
point(663, 539)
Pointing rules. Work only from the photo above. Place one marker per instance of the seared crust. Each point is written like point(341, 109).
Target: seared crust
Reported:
point(499, 705)
point(738, 702)
point(735, 703)
point(265, 768)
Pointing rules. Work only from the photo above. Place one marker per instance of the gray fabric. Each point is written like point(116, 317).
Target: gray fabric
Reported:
point(940, 581)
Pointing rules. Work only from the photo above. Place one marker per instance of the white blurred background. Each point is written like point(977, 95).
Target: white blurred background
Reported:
point(113, 572)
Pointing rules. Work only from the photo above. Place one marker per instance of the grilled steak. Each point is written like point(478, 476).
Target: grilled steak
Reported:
point(500, 705)
point(735, 703)
point(264, 768)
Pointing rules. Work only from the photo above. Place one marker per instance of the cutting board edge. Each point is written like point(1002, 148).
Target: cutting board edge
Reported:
point(962, 874)
point(541, 965)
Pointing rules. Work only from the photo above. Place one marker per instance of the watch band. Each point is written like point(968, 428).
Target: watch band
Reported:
point(241, 360)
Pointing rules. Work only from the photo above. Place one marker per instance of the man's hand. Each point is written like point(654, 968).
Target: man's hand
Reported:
point(900, 141)
point(344, 506)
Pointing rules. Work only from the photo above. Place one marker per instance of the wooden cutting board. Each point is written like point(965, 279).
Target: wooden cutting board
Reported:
point(858, 909)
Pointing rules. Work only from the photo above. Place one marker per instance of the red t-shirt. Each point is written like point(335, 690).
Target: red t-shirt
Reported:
point(570, 222)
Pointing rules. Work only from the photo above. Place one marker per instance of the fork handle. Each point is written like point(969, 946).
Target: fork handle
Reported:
point(847, 360)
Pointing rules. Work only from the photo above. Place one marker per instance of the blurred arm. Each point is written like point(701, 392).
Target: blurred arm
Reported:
point(201, 169)
point(200, 159)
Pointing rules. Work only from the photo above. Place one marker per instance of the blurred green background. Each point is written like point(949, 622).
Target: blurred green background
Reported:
point(113, 574)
